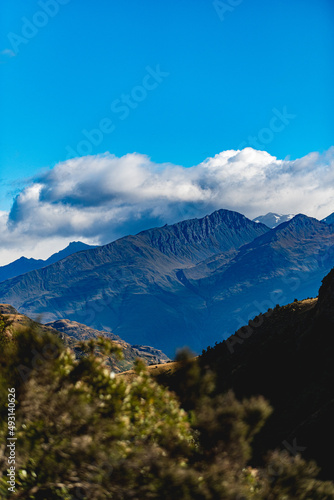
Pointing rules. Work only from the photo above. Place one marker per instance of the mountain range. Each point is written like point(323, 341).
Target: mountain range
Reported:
point(189, 283)
point(24, 265)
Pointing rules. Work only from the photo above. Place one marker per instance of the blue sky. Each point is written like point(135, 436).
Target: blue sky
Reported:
point(226, 75)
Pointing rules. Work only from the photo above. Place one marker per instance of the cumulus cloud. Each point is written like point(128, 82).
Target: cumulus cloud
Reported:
point(100, 198)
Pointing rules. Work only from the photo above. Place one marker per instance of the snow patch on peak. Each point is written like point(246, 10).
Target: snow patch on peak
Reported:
point(272, 219)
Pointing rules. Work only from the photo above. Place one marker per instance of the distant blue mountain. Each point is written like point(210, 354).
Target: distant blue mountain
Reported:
point(24, 265)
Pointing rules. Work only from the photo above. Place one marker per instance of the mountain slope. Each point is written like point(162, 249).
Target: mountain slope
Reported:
point(273, 220)
point(24, 265)
point(284, 263)
point(79, 332)
point(72, 333)
point(131, 285)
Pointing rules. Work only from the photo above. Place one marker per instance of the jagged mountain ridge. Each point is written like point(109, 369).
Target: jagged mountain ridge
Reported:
point(24, 265)
point(198, 239)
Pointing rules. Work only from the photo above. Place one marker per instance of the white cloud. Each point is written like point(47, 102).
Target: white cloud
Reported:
point(99, 198)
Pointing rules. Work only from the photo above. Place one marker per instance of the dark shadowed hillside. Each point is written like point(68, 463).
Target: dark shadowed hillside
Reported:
point(287, 356)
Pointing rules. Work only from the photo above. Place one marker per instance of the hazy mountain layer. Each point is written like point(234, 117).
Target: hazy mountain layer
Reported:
point(24, 265)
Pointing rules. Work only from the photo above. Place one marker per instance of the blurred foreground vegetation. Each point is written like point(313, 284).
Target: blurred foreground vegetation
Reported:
point(84, 433)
